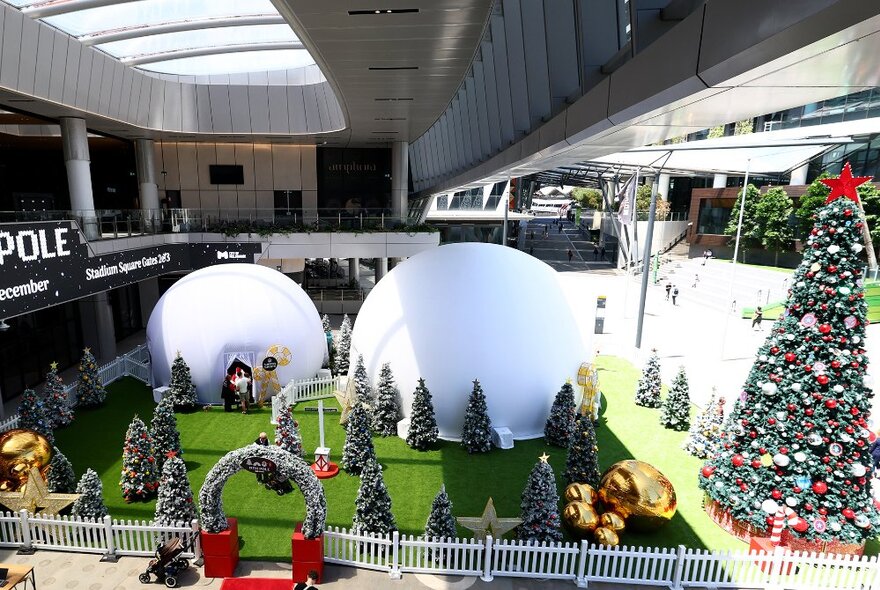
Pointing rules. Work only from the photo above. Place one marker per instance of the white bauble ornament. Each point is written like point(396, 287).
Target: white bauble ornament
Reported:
point(769, 506)
point(800, 456)
point(769, 388)
point(781, 460)
point(791, 502)
point(859, 470)
point(795, 386)
point(856, 248)
point(838, 388)
point(833, 249)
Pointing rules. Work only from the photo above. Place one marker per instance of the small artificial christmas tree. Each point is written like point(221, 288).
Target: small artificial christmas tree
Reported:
point(61, 478)
point(540, 505)
point(675, 413)
point(706, 428)
point(476, 434)
point(441, 522)
point(57, 412)
point(32, 415)
point(358, 448)
point(582, 462)
point(648, 392)
point(363, 391)
point(373, 504)
point(175, 503)
point(343, 349)
point(325, 323)
point(139, 478)
point(90, 503)
point(163, 430)
point(287, 435)
point(798, 433)
point(560, 423)
point(386, 408)
point(181, 389)
point(90, 391)
point(423, 432)
point(328, 333)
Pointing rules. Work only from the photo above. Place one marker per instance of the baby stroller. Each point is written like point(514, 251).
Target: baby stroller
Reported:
point(167, 564)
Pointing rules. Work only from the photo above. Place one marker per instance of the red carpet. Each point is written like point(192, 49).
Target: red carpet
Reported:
point(256, 584)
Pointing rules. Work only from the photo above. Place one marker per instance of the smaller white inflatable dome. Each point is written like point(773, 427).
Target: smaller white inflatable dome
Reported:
point(235, 311)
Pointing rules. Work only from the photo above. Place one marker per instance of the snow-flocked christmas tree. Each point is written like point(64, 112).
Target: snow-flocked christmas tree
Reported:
point(675, 413)
point(287, 435)
point(373, 504)
point(90, 503)
point(386, 407)
point(90, 391)
point(798, 434)
point(540, 505)
point(32, 415)
point(706, 428)
point(560, 423)
point(363, 391)
point(423, 431)
point(181, 389)
point(57, 411)
point(175, 502)
point(476, 434)
point(358, 448)
point(648, 391)
point(139, 478)
point(163, 430)
point(61, 478)
point(328, 333)
point(343, 349)
point(582, 462)
point(441, 522)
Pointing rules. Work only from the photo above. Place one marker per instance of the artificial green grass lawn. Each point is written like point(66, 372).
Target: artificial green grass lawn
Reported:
point(413, 478)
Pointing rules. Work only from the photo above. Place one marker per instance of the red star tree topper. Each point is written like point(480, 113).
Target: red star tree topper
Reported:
point(844, 185)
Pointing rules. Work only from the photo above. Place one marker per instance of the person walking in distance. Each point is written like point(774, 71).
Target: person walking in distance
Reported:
point(570, 254)
point(757, 318)
point(602, 251)
point(311, 580)
point(696, 281)
point(595, 253)
point(668, 290)
point(674, 295)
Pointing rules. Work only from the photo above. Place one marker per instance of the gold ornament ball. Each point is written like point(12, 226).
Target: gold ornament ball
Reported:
point(606, 536)
point(21, 450)
point(639, 493)
point(613, 521)
point(580, 492)
point(580, 518)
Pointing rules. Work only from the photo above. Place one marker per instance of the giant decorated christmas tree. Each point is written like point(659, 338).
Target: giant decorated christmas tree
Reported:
point(90, 391)
point(797, 437)
point(58, 412)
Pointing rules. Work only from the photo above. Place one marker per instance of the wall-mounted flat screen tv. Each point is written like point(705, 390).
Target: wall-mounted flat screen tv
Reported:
point(226, 174)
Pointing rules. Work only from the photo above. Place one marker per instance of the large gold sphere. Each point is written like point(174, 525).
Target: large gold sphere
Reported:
point(21, 450)
point(639, 493)
point(580, 492)
point(613, 521)
point(605, 536)
point(580, 518)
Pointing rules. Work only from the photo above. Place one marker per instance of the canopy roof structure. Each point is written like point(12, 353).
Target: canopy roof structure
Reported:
point(181, 37)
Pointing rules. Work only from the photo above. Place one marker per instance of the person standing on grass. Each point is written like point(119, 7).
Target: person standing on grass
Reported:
point(241, 386)
point(674, 295)
point(757, 318)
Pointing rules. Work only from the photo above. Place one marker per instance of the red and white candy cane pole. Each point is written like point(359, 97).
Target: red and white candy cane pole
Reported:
point(783, 516)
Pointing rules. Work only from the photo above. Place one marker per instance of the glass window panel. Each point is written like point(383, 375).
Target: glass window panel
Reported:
point(196, 39)
point(233, 63)
point(146, 12)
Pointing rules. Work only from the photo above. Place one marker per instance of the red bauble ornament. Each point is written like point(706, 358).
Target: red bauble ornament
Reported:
point(808, 368)
point(822, 379)
point(789, 357)
point(835, 364)
point(832, 268)
point(829, 403)
point(776, 494)
point(774, 350)
point(820, 487)
point(708, 470)
point(800, 525)
point(737, 460)
point(756, 463)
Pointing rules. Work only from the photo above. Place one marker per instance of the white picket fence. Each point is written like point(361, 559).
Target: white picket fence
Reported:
point(135, 363)
point(584, 563)
point(304, 390)
point(108, 537)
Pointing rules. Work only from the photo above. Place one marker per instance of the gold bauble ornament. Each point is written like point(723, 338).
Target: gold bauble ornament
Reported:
point(606, 536)
point(581, 492)
point(20, 451)
point(639, 493)
point(580, 518)
point(613, 521)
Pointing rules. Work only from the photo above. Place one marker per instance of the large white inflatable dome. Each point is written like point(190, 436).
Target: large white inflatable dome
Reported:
point(473, 311)
point(234, 311)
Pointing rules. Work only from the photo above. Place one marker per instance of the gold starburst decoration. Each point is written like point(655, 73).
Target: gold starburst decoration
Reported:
point(87, 350)
point(347, 401)
point(53, 365)
point(544, 457)
point(35, 497)
point(489, 522)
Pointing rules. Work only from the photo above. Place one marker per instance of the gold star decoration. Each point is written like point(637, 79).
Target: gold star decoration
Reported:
point(544, 457)
point(53, 365)
point(346, 398)
point(489, 523)
point(87, 350)
point(35, 497)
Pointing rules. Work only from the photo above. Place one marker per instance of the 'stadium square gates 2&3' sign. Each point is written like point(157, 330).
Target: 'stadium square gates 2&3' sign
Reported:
point(44, 263)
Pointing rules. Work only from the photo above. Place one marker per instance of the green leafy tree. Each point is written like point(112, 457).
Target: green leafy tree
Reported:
point(32, 415)
point(423, 431)
point(588, 198)
point(675, 413)
point(90, 391)
point(750, 236)
point(476, 434)
point(559, 427)
point(386, 409)
point(57, 411)
point(582, 462)
point(175, 502)
point(373, 503)
point(61, 478)
point(798, 431)
point(140, 478)
point(809, 203)
point(539, 509)
point(648, 390)
point(163, 430)
point(90, 503)
point(773, 213)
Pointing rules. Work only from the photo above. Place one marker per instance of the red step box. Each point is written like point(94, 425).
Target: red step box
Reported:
point(301, 569)
point(306, 555)
point(221, 551)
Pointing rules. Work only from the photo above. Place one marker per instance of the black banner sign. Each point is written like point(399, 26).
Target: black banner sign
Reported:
point(43, 264)
point(270, 363)
point(259, 465)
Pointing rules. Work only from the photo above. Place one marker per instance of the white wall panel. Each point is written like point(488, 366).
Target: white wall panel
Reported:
point(44, 62)
point(516, 66)
point(309, 167)
point(482, 111)
point(116, 92)
point(189, 165)
point(227, 199)
point(190, 199)
point(473, 118)
point(132, 109)
point(562, 56)
point(11, 54)
point(244, 157)
point(155, 114)
point(537, 75)
point(224, 156)
point(238, 104)
point(203, 107)
point(494, 120)
point(247, 202)
point(258, 101)
point(59, 64)
point(106, 85)
point(206, 155)
point(210, 200)
point(296, 109)
point(71, 74)
point(265, 201)
point(263, 166)
point(144, 106)
point(83, 75)
point(313, 119)
point(169, 163)
point(189, 109)
point(27, 67)
point(125, 97)
point(221, 118)
point(278, 121)
point(285, 167)
point(502, 80)
point(97, 74)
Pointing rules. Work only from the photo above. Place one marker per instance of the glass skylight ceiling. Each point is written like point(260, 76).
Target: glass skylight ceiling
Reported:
point(185, 37)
